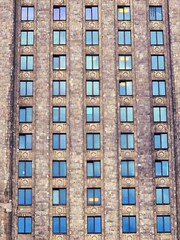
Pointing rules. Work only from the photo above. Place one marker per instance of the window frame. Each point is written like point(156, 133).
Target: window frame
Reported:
point(59, 9)
point(59, 120)
point(127, 114)
point(59, 227)
point(158, 62)
point(124, 37)
point(60, 202)
point(59, 88)
point(93, 168)
point(161, 168)
point(155, 7)
point(27, 7)
point(126, 87)
point(25, 192)
point(92, 57)
point(129, 219)
point(21, 108)
point(159, 88)
point(59, 36)
point(93, 88)
point(27, 37)
point(28, 59)
point(127, 134)
point(124, 18)
point(96, 191)
point(128, 168)
point(59, 168)
point(130, 191)
point(160, 200)
point(94, 228)
point(160, 114)
point(93, 120)
point(125, 68)
point(24, 162)
point(157, 40)
point(26, 82)
point(93, 141)
point(59, 141)
point(91, 9)
point(92, 32)
point(161, 141)
point(25, 218)
point(25, 135)
point(164, 224)
point(64, 59)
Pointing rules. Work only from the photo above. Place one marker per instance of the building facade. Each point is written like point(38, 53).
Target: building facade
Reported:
point(90, 120)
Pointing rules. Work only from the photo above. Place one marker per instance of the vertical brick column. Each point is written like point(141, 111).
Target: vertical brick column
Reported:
point(174, 13)
point(42, 120)
point(6, 65)
point(143, 107)
point(76, 120)
point(110, 129)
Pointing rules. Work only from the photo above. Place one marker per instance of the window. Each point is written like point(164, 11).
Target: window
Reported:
point(27, 38)
point(24, 196)
point(59, 141)
point(124, 13)
point(128, 196)
point(59, 88)
point(59, 62)
point(126, 114)
point(25, 114)
point(162, 196)
point(59, 37)
point(27, 13)
point(163, 224)
point(91, 13)
point(161, 141)
point(157, 62)
point(93, 141)
point(26, 63)
point(92, 88)
point(125, 88)
point(25, 141)
point(125, 62)
point(26, 88)
point(159, 88)
point(93, 168)
point(127, 140)
point(155, 13)
point(124, 37)
point(92, 62)
point(24, 225)
point(160, 114)
point(93, 196)
point(127, 168)
point(92, 37)
point(59, 169)
point(59, 225)
point(59, 114)
point(59, 196)
point(59, 13)
point(161, 168)
point(156, 38)
point(25, 169)
point(94, 225)
point(129, 224)
point(92, 114)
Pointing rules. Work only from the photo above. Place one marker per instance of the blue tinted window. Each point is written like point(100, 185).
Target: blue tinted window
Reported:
point(59, 225)
point(25, 169)
point(162, 168)
point(27, 13)
point(94, 225)
point(125, 88)
point(93, 141)
point(24, 196)
point(163, 224)
point(160, 114)
point(27, 38)
point(59, 169)
point(93, 169)
point(93, 196)
point(125, 62)
point(128, 224)
point(127, 168)
point(25, 114)
point(159, 88)
point(124, 37)
point(26, 63)
point(24, 225)
point(92, 114)
point(155, 13)
point(128, 196)
point(59, 88)
point(59, 141)
point(126, 114)
point(92, 62)
point(59, 196)
point(91, 13)
point(25, 141)
point(124, 13)
point(127, 140)
point(26, 88)
point(156, 38)
point(161, 141)
point(59, 114)
point(59, 37)
point(59, 13)
point(92, 37)
point(92, 88)
point(157, 62)
point(59, 62)
point(162, 196)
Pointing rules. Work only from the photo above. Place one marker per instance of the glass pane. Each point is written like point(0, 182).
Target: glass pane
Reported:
point(160, 37)
point(97, 196)
point(161, 62)
point(62, 13)
point(21, 142)
point(123, 114)
point(88, 88)
point(28, 169)
point(124, 196)
point(94, 13)
point(127, 37)
point(63, 227)
point(157, 143)
point(167, 224)
point(129, 88)
point(30, 13)
point(130, 141)
point(88, 37)
point(56, 37)
point(55, 196)
point(55, 114)
point(62, 37)
point(128, 63)
point(132, 224)
point(28, 225)
point(96, 114)
point(121, 37)
point(152, 13)
point(55, 141)
point(88, 13)
point(30, 63)
point(131, 168)
point(24, 13)
point(98, 225)
point(158, 13)
point(155, 88)
point(30, 38)
point(28, 196)
point(165, 168)
point(130, 114)
point(28, 141)
point(97, 169)
point(90, 169)
point(23, 38)
point(127, 13)
point(124, 171)
point(154, 62)
point(55, 169)
point(163, 114)
point(95, 62)
point(121, 62)
point(88, 62)
point(55, 225)
point(164, 140)
point(166, 196)
point(63, 169)
point(89, 141)
point(123, 141)
point(122, 88)
point(90, 196)
point(29, 88)
point(153, 38)
point(63, 114)
point(89, 114)
point(63, 196)
point(96, 88)
point(96, 141)
point(62, 141)
point(29, 114)
point(23, 63)
point(62, 62)
point(125, 225)
point(56, 14)
point(56, 63)
point(21, 169)
point(22, 114)
point(159, 224)
point(20, 225)
point(162, 88)
point(132, 198)
point(159, 196)
point(120, 14)
point(156, 114)
point(21, 198)
point(95, 37)
point(90, 224)
point(158, 168)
